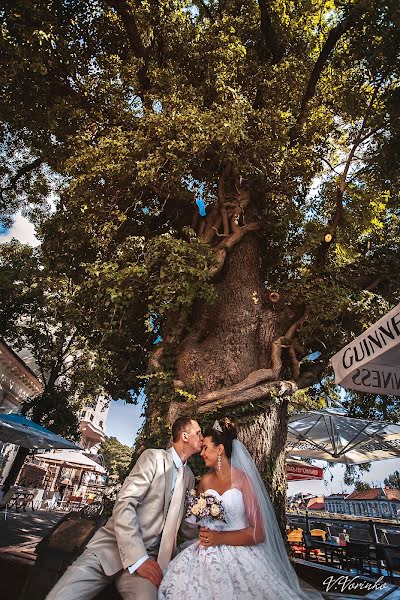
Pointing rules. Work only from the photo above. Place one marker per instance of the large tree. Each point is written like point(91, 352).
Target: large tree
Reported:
point(230, 201)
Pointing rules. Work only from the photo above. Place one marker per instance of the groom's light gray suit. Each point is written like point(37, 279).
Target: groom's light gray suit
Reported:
point(133, 531)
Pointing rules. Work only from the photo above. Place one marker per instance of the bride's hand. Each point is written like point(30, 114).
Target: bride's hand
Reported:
point(208, 538)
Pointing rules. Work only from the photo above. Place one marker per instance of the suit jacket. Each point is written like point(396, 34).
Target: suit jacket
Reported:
point(139, 513)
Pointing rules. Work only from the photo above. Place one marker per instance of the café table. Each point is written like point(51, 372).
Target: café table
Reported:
point(332, 549)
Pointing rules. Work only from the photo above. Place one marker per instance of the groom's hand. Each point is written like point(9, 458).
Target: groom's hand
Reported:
point(151, 570)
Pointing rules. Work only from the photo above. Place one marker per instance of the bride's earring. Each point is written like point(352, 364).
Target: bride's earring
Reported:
point(219, 462)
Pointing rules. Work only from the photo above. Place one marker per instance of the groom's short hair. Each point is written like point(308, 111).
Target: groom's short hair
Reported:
point(180, 425)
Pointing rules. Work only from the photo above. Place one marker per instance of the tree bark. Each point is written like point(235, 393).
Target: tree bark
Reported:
point(265, 439)
point(234, 340)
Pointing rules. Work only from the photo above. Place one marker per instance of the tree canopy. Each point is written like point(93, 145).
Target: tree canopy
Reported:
point(393, 480)
point(117, 457)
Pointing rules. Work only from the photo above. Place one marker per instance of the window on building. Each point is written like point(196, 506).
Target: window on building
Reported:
point(101, 423)
point(91, 417)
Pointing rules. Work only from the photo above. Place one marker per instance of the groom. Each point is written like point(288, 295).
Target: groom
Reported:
point(139, 539)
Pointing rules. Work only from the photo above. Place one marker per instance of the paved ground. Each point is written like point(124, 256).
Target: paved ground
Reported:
point(22, 527)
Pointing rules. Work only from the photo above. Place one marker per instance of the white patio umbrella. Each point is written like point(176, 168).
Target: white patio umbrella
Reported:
point(331, 436)
point(371, 362)
point(73, 459)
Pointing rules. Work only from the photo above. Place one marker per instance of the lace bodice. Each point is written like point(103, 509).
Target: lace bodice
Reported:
point(235, 514)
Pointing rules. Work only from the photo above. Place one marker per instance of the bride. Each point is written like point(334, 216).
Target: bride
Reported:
point(243, 558)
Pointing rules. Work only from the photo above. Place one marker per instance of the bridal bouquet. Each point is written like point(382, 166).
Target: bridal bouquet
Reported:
point(204, 506)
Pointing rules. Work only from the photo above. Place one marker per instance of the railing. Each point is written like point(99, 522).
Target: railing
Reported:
point(341, 516)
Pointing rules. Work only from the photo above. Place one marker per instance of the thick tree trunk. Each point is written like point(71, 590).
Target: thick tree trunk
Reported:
point(223, 346)
point(227, 342)
point(265, 438)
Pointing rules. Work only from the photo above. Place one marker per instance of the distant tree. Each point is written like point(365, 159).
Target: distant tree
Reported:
point(362, 486)
point(117, 457)
point(393, 480)
point(353, 473)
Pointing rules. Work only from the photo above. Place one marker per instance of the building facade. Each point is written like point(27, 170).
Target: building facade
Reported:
point(382, 503)
point(18, 382)
point(92, 422)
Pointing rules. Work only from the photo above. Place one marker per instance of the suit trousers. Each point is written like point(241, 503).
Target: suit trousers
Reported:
point(85, 578)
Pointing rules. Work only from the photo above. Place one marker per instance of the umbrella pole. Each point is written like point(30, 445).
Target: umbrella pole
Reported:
point(15, 468)
point(374, 532)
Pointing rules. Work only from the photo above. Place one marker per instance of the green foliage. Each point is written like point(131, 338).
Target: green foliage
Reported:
point(354, 473)
point(362, 486)
point(372, 406)
point(393, 480)
point(117, 457)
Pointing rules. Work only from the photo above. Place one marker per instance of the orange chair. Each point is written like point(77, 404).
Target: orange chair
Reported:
point(319, 533)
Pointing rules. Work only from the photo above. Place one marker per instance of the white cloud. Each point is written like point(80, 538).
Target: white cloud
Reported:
point(22, 230)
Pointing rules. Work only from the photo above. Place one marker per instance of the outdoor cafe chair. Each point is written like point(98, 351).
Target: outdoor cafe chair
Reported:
point(330, 552)
point(318, 534)
point(295, 536)
point(50, 502)
point(74, 502)
point(295, 541)
point(313, 547)
point(21, 498)
point(357, 555)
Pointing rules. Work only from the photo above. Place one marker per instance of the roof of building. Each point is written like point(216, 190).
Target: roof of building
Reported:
point(371, 494)
point(333, 496)
point(316, 503)
point(392, 494)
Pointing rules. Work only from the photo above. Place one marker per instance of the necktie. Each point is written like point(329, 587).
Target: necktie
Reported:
point(171, 525)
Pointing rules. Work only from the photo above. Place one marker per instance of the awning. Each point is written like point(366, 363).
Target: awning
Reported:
point(371, 362)
point(73, 459)
point(17, 429)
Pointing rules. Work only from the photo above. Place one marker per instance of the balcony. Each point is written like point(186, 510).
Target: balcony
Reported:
point(91, 431)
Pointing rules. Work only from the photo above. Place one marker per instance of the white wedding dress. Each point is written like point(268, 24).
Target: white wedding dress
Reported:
point(224, 572)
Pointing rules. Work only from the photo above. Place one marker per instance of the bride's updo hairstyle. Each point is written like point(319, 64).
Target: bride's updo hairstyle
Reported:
point(222, 432)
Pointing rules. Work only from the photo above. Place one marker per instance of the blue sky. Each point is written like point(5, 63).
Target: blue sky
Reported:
point(124, 420)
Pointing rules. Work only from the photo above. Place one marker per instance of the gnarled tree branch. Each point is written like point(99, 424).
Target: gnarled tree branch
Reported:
point(258, 392)
point(124, 11)
point(20, 173)
point(271, 38)
point(327, 49)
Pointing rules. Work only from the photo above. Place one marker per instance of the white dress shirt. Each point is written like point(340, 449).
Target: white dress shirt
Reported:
point(177, 463)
